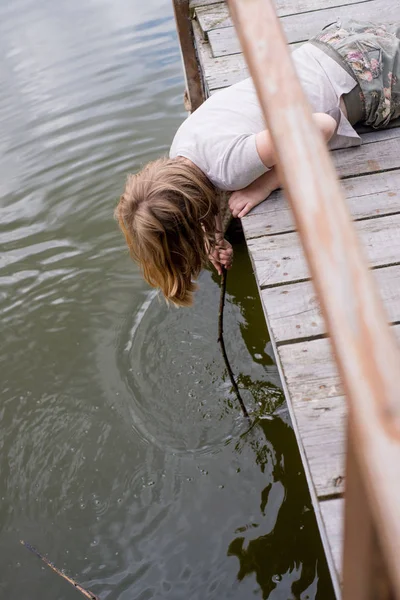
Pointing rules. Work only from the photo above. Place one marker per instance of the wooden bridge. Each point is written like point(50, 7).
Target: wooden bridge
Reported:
point(314, 234)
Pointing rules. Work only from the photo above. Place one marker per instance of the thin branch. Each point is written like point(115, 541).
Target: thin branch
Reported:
point(86, 593)
point(222, 343)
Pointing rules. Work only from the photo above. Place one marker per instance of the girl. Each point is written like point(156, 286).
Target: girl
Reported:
point(170, 212)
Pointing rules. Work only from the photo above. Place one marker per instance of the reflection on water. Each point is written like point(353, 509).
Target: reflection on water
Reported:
point(123, 454)
point(272, 549)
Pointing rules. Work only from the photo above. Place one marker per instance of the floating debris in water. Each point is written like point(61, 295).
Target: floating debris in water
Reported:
point(86, 593)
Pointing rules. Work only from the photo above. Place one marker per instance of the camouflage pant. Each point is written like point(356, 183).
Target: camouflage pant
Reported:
point(371, 54)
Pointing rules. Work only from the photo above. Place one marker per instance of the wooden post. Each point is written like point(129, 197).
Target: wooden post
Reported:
point(365, 576)
point(194, 95)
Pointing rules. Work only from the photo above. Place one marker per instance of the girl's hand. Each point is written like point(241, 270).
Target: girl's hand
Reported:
point(222, 256)
point(242, 201)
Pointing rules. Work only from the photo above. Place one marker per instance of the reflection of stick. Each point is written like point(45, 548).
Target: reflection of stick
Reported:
point(76, 585)
point(222, 343)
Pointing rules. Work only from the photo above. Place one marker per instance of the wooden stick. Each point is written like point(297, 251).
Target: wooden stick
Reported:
point(86, 593)
point(222, 343)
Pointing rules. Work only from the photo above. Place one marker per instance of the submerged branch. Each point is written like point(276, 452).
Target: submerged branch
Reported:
point(86, 593)
point(222, 343)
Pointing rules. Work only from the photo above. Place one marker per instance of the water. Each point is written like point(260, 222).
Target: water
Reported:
point(123, 455)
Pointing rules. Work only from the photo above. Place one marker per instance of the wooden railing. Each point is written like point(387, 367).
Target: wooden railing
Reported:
point(364, 346)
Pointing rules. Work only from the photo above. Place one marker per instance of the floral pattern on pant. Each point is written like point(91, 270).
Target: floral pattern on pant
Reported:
point(372, 52)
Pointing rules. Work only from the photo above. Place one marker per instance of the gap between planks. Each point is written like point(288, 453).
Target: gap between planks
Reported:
point(280, 260)
point(215, 15)
point(368, 195)
point(301, 27)
point(294, 311)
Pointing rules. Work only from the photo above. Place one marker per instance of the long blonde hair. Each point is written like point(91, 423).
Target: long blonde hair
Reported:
point(167, 215)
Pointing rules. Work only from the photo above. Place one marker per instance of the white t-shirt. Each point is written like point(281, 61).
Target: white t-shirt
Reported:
point(220, 136)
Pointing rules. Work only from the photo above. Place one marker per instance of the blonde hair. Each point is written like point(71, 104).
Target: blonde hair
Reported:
point(167, 215)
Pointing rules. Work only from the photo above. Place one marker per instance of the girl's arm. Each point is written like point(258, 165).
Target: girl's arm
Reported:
point(242, 201)
point(265, 148)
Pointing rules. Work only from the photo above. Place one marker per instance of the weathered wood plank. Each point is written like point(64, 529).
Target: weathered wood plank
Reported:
point(322, 427)
point(317, 398)
point(218, 72)
point(294, 312)
point(369, 196)
point(300, 28)
point(319, 409)
point(332, 515)
point(368, 158)
point(227, 70)
point(211, 15)
point(280, 259)
point(197, 3)
point(214, 16)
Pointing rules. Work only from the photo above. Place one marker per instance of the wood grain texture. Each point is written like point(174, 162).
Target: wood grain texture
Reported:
point(369, 196)
point(224, 71)
point(279, 259)
point(197, 3)
point(319, 407)
point(294, 312)
point(218, 72)
point(332, 515)
point(194, 88)
point(216, 15)
point(300, 28)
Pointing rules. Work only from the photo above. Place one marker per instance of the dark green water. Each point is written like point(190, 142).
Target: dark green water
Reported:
point(123, 456)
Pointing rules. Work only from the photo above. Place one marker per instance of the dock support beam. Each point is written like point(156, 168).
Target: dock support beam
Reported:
point(194, 95)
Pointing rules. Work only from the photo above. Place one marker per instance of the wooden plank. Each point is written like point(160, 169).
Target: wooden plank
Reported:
point(322, 427)
point(280, 259)
point(369, 196)
point(316, 395)
point(300, 28)
point(294, 312)
point(224, 71)
point(368, 158)
point(224, 42)
point(197, 3)
point(211, 15)
point(332, 515)
point(218, 72)
point(214, 16)
point(204, 56)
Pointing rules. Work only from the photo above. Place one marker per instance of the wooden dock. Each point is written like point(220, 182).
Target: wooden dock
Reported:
point(371, 182)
